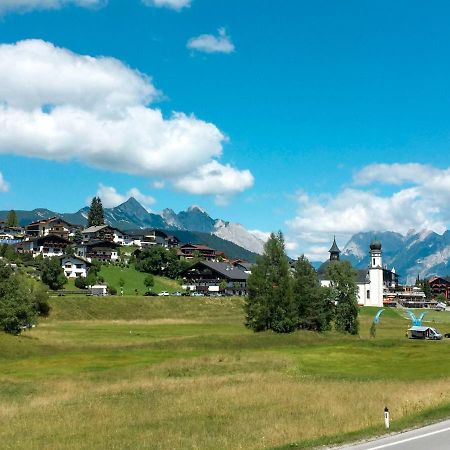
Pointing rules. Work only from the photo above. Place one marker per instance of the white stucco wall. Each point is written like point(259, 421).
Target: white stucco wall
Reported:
point(69, 265)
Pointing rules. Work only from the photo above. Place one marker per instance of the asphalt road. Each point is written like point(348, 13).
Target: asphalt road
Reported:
point(432, 437)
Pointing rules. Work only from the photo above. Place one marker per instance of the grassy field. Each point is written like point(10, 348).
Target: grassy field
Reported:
point(183, 373)
point(135, 280)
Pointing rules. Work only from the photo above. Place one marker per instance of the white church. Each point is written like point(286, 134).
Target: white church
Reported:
point(371, 281)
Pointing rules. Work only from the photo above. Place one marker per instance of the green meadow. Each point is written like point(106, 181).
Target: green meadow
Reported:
point(184, 373)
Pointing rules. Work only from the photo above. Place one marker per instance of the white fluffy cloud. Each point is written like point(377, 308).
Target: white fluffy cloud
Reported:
point(110, 197)
point(215, 178)
point(61, 106)
point(30, 5)
point(420, 201)
point(4, 185)
point(208, 43)
point(177, 5)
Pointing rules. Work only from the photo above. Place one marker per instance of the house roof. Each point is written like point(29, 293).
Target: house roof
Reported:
point(245, 265)
point(37, 222)
point(361, 274)
point(80, 258)
point(197, 247)
point(442, 279)
point(95, 229)
point(223, 269)
point(50, 219)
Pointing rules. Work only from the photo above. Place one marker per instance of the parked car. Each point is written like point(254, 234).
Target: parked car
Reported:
point(164, 294)
point(176, 294)
point(151, 294)
point(198, 294)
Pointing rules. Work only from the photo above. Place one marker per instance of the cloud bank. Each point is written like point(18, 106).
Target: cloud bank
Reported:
point(207, 43)
point(62, 106)
point(420, 199)
point(30, 5)
point(177, 5)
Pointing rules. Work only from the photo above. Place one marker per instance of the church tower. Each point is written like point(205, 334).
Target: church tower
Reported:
point(375, 275)
point(334, 251)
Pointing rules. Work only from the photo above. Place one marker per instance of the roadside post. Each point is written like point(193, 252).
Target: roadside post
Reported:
point(386, 417)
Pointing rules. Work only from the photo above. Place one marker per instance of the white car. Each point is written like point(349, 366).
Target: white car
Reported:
point(163, 294)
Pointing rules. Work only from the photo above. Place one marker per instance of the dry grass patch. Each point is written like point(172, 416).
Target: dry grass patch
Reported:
point(251, 411)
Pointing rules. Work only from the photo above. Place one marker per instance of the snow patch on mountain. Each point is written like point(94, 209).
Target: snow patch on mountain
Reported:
point(196, 207)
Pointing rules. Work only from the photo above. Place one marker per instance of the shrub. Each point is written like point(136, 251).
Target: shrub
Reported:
point(81, 283)
point(112, 290)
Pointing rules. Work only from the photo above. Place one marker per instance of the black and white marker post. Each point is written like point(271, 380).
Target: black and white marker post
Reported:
point(386, 417)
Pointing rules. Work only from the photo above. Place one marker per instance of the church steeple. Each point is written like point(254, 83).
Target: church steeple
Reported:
point(334, 251)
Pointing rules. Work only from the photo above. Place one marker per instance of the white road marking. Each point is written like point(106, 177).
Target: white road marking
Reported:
point(410, 439)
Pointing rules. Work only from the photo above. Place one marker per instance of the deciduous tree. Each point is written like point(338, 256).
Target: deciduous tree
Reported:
point(21, 301)
point(344, 292)
point(149, 281)
point(52, 274)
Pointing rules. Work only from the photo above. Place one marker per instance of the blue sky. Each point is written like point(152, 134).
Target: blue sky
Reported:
point(317, 118)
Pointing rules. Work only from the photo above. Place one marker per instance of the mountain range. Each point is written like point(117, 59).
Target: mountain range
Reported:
point(424, 253)
point(193, 225)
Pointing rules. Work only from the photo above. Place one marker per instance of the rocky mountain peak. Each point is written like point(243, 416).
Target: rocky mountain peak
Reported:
point(196, 208)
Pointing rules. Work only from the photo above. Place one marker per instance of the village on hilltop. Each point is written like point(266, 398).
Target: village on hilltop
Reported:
point(76, 247)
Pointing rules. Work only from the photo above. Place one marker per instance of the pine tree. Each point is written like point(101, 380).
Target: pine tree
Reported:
point(344, 292)
point(11, 219)
point(269, 305)
point(96, 215)
point(91, 215)
point(100, 212)
point(314, 307)
point(78, 236)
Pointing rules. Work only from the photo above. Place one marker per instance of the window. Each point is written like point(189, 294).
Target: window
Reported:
point(79, 266)
point(373, 261)
point(368, 293)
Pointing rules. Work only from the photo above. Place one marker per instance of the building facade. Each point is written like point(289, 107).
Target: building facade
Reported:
point(371, 282)
point(74, 266)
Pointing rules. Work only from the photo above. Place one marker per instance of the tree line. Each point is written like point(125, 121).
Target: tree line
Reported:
point(283, 299)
